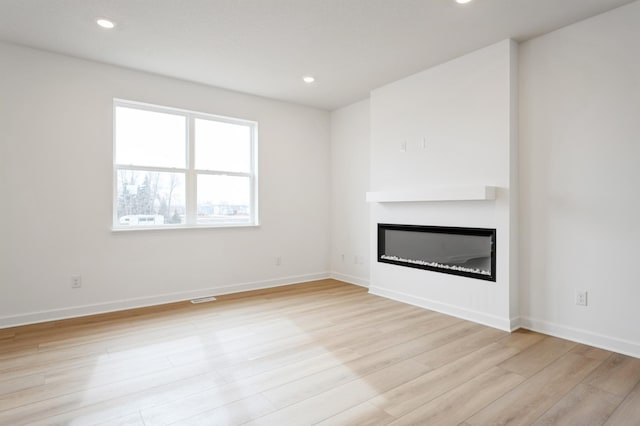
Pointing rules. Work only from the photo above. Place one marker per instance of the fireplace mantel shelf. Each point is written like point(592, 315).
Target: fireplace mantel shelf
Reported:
point(435, 193)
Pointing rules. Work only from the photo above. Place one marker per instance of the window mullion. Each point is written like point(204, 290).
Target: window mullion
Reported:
point(253, 204)
point(191, 176)
point(222, 173)
point(150, 169)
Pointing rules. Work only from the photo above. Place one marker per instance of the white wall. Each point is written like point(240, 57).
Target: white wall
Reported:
point(580, 180)
point(349, 182)
point(464, 110)
point(56, 186)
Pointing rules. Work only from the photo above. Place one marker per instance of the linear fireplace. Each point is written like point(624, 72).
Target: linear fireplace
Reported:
point(470, 252)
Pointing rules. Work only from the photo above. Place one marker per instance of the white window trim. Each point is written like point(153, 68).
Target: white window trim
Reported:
point(190, 172)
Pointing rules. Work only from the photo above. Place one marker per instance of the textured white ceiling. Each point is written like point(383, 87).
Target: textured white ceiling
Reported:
point(264, 47)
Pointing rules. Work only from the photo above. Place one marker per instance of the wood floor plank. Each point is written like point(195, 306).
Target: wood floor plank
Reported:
point(294, 371)
point(256, 366)
point(618, 375)
point(422, 389)
point(409, 331)
point(46, 358)
point(59, 407)
point(521, 339)
point(259, 342)
point(341, 398)
point(21, 383)
point(591, 352)
point(532, 398)
point(440, 333)
point(211, 401)
point(461, 347)
point(134, 419)
point(9, 349)
point(364, 414)
point(321, 352)
point(538, 356)
point(628, 412)
point(584, 406)
point(235, 413)
point(313, 384)
point(64, 382)
point(6, 334)
point(216, 396)
point(41, 367)
point(463, 401)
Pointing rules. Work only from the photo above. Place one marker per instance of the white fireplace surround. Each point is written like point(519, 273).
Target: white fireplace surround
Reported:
point(457, 168)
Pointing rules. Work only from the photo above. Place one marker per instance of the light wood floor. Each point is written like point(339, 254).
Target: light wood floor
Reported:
point(320, 353)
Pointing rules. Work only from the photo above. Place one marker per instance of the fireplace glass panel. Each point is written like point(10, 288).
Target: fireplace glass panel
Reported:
point(460, 251)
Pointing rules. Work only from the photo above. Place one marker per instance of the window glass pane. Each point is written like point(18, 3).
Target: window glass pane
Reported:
point(147, 138)
point(223, 199)
point(150, 198)
point(222, 146)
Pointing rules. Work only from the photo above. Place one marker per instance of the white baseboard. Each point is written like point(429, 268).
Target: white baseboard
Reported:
point(515, 323)
point(351, 279)
point(455, 311)
point(622, 346)
point(141, 302)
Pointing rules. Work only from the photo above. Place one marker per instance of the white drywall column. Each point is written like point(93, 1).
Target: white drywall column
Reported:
point(457, 122)
point(350, 180)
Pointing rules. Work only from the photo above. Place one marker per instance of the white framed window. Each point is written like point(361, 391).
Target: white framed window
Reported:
point(181, 169)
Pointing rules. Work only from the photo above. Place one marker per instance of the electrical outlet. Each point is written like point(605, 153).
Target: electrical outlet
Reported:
point(76, 281)
point(342, 257)
point(278, 261)
point(581, 297)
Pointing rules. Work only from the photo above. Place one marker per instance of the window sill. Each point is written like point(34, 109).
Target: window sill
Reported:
point(186, 227)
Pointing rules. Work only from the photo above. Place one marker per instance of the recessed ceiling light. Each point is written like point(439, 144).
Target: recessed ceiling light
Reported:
point(105, 23)
point(463, 1)
point(308, 79)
